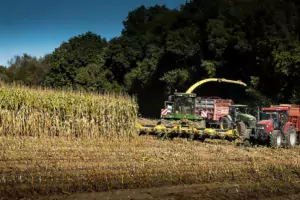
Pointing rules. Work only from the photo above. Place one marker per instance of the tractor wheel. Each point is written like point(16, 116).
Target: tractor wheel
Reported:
point(225, 123)
point(275, 140)
point(241, 128)
point(246, 138)
point(291, 137)
point(244, 133)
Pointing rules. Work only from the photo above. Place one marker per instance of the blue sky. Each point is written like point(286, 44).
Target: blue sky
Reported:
point(37, 27)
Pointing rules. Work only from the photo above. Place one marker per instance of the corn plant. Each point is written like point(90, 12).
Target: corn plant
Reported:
point(40, 112)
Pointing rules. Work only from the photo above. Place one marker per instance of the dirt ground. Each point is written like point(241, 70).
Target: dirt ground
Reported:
point(193, 192)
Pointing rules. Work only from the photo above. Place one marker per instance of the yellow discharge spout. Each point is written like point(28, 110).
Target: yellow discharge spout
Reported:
point(193, 87)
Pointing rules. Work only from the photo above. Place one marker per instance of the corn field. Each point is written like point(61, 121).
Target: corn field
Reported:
point(40, 112)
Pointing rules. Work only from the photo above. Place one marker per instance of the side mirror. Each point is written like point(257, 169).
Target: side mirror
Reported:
point(171, 98)
point(235, 113)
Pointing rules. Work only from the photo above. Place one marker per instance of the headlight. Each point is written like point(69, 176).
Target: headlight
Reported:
point(260, 127)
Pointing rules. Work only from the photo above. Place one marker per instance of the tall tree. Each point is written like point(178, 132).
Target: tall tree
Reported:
point(26, 69)
point(78, 52)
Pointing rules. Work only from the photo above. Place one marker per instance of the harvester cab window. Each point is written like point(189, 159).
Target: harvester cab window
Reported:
point(185, 105)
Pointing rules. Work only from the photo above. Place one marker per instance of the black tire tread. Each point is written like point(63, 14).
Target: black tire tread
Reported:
point(246, 138)
point(273, 139)
point(227, 121)
point(291, 130)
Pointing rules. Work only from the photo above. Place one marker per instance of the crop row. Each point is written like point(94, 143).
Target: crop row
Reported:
point(38, 113)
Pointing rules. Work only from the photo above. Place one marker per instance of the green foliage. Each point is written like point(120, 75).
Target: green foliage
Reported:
point(175, 78)
point(78, 52)
point(287, 61)
point(94, 78)
point(210, 67)
point(25, 69)
point(258, 98)
point(143, 72)
point(3, 74)
point(182, 42)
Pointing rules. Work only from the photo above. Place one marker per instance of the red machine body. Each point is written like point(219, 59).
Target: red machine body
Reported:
point(279, 125)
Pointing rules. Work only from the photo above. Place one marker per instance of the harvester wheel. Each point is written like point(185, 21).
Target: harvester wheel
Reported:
point(275, 140)
point(290, 137)
point(225, 123)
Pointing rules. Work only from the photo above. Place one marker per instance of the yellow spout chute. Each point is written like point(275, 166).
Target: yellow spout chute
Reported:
point(193, 87)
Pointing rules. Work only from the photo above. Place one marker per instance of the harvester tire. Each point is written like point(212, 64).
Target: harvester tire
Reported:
point(290, 137)
point(225, 123)
point(275, 139)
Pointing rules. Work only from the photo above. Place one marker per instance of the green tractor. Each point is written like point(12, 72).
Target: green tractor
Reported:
point(240, 119)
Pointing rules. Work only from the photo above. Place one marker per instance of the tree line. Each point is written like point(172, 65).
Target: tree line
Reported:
point(161, 50)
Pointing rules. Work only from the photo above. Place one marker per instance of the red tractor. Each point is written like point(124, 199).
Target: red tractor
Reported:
point(274, 127)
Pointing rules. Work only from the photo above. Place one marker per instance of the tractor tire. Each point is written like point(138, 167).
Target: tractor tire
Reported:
point(241, 128)
point(244, 133)
point(275, 139)
point(225, 123)
point(246, 138)
point(290, 137)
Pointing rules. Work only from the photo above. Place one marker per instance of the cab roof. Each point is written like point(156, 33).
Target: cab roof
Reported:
point(275, 109)
point(185, 94)
point(238, 105)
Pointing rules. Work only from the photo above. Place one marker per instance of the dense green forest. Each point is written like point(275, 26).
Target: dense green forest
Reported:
point(160, 50)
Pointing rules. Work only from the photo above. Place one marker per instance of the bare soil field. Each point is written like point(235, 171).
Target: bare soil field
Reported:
point(195, 191)
point(144, 168)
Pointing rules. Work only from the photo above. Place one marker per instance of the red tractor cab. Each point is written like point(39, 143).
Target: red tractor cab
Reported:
point(274, 127)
